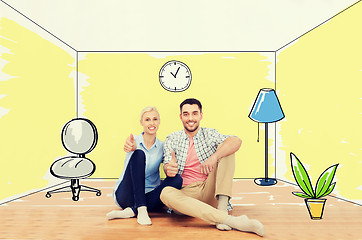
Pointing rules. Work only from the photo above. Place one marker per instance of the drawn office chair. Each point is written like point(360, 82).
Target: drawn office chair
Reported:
point(79, 136)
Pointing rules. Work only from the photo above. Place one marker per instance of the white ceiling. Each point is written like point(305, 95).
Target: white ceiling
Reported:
point(178, 25)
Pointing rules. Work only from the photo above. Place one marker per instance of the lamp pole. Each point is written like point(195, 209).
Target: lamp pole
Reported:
point(266, 152)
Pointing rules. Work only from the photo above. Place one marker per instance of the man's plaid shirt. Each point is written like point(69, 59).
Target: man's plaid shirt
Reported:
point(206, 142)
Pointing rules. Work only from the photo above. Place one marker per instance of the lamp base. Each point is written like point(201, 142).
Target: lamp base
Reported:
point(265, 181)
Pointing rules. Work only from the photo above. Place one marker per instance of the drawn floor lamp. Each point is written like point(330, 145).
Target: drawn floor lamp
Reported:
point(266, 109)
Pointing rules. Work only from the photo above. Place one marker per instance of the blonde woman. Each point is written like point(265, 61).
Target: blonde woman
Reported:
point(138, 189)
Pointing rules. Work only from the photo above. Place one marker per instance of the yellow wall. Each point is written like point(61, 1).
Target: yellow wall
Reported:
point(119, 85)
point(38, 97)
point(320, 82)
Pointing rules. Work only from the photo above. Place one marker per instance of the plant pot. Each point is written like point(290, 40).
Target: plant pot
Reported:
point(315, 207)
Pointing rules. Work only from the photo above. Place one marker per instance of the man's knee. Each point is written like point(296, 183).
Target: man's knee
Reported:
point(166, 191)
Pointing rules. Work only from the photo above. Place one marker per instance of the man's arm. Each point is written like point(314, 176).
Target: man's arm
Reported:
point(228, 147)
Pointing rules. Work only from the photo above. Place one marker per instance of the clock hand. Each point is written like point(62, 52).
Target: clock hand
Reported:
point(174, 75)
point(177, 72)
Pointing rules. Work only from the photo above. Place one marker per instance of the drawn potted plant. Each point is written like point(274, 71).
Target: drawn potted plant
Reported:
point(313, 197)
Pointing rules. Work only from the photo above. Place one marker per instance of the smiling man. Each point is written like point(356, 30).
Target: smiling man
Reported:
point(206, 162)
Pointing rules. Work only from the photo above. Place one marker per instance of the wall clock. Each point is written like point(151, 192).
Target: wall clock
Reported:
point(175, 76)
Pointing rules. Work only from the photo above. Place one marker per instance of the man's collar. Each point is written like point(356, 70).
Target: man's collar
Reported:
point(195, 137)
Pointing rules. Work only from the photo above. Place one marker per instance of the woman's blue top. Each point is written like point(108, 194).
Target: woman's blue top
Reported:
point(154, 158)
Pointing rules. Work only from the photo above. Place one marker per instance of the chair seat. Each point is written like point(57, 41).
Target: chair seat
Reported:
point(72, 168)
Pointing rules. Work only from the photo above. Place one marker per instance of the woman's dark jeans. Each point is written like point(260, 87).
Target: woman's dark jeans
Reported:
point(131, 190)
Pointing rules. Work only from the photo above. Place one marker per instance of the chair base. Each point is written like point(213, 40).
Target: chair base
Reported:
point(75, 188)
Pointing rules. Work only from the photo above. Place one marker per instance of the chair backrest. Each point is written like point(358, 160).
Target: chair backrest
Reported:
point(79, 136)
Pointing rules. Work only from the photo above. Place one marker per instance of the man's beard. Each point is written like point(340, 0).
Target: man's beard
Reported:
point(191, 130)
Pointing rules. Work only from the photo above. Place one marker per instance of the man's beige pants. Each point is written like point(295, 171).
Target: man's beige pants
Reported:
point(199, 199)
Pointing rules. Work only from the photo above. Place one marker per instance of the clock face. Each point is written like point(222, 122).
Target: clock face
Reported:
point(175, 76)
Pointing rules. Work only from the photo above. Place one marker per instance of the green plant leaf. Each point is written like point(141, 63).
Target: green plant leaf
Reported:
point(301, 176)
point(299, 194)
point(330, 189)
point(325, 180)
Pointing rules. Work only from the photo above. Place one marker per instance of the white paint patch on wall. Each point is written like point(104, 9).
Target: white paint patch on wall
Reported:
point(270, 58)
point(3, 77)
point(82, 84)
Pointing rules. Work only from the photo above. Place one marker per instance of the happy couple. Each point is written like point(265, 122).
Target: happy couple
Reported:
point(199, 164)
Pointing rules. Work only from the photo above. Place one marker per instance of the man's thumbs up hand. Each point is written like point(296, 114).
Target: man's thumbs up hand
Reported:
point(171, 167)
point(173, 157)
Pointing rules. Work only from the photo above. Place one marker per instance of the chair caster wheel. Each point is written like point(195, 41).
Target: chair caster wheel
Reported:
point(48, 195)
point(98, 193)
point(75, 198)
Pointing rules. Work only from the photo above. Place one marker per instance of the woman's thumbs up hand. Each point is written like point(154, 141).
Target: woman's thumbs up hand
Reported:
point(130, 144)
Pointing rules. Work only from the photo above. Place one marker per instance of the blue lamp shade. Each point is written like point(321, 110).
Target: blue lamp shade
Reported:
point(266, 108)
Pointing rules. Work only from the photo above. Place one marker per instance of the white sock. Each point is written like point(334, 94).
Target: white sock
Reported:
point(125, 213)
point(243, 223)
point(222, 205)
point(222, 202)
point(142, 216)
